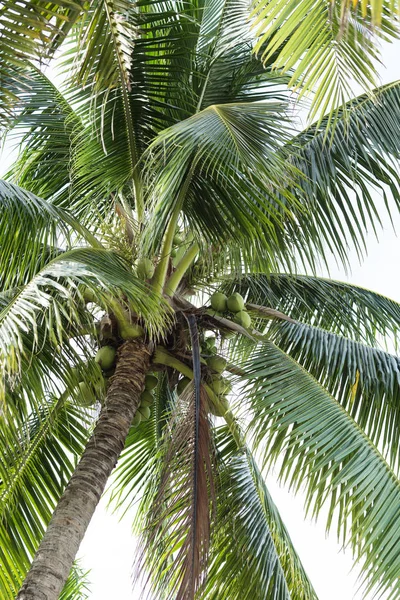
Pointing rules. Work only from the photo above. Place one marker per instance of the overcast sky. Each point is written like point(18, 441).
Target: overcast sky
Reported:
point(108, 547)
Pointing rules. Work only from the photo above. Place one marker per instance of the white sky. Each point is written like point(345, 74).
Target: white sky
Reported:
point(108, 547)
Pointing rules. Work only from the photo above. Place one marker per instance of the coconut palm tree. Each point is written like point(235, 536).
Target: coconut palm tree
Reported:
point(152, 231)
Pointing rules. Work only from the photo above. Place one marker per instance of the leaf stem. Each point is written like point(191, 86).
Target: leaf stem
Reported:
point(160, 273)
point(181, 268)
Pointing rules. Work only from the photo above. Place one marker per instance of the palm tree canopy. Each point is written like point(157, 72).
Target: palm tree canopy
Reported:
point(165, 167)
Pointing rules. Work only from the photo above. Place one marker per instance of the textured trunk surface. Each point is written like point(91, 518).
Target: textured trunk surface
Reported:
point(53, 560)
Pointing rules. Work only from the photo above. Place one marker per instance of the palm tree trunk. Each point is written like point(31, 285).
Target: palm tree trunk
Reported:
point(54, 558)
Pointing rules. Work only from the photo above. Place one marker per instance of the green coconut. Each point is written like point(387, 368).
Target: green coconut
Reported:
point(150, 382)
point(131, 331)
point(137, 419)
point(235, 303)
point(86, 396)
point(145, 268)
point(89, 295)
point(182, 384)
point(146, 399)
point(219, 302)
point(217, 363)
point(243, 318)
point(216, 411)
point(210, 341)
point(145, 412)
point(218, 385)
point(178, 239)
point(105, 357)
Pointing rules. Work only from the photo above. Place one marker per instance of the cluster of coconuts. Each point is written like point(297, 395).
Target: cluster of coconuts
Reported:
point(104, 364)
point(146, 400)
point(233, 304)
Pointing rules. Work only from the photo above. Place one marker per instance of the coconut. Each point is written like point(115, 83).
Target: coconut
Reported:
point(217, 363)
point(89, 295)
point(173, 253)
point(216, 411)
point(145, 412)
point(182, 384)
point(235, 303)
point(146, 399)
point(87, 396)
point(218, 385)
point(243, 318)
point(145, 268)
point(219, 302)
point(131, 331)
point(105, 357)
point(137, 419)
point(178, 239)
point(150, 382)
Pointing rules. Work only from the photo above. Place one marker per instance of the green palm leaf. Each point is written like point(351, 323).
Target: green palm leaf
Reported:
point(252, 556)
point(37, 460)
point(52, 296)
point(364, 315)
point(30, 233)
point(326, 52)
point(323, 449)
point(30, 30)
point(365, 380)
point(340, 179)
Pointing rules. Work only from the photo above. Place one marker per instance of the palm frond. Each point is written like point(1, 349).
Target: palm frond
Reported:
point(77, 586)
point(52, 297)
point(30, 30)
point(340, 179)
point(325, 451)
point(176, 543)
point(37, 460)
point(252, 555)
point(223, 145)
point(364, 315)
point(327, 54)
point(365, 380)
point(31, 230)
point(45, 124)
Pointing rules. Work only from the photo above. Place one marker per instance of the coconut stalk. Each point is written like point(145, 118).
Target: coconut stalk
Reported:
point(54, 558)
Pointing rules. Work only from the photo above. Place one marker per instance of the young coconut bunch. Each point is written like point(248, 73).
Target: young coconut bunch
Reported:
point(142, 273)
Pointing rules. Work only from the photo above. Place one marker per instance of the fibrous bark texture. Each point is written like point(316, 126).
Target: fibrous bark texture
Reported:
point(53, 561)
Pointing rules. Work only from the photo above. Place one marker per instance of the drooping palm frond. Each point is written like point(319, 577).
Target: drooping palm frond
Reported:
point(31, 231)
point(365, 380)
point(45, 125)
point(364, 315)
point(341, 178)
point(177, 536)
point(52, 297)
point(30, 30)
point(221, 146)
point(252, 555)
point(37, 460)
point(324, 450)
point(327, 53)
